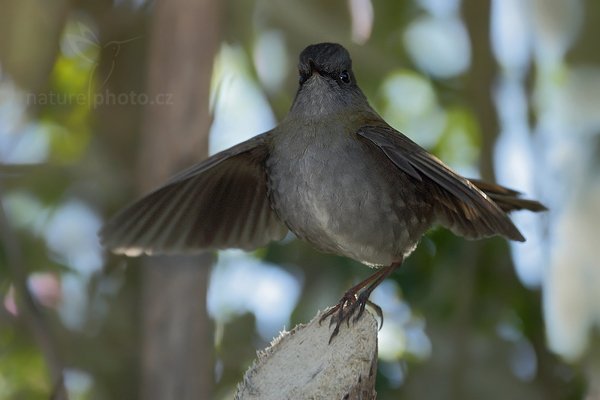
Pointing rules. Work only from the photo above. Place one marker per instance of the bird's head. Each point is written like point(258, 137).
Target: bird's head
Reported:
point(326, 81)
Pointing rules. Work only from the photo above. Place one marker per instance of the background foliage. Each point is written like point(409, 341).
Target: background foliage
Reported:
point(506, 90)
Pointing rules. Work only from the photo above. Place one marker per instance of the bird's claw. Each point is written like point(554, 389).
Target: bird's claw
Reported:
point(378, 311)
point(348, 306)
point(345, 301)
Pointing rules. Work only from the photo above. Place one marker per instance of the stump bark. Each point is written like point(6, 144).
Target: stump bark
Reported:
point(302, 364)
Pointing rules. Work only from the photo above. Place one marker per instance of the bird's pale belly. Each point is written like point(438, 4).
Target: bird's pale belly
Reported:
point(329, 202)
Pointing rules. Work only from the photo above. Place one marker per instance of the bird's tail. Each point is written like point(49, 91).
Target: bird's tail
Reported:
point(507, 199)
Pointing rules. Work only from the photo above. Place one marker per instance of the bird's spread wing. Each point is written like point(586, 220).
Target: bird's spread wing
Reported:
point(460, 205)
point(219, 203)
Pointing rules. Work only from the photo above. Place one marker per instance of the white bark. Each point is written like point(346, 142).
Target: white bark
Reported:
point(301, 364)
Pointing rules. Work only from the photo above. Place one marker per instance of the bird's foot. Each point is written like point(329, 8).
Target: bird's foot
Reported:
point(349, 305)
point(348, 298)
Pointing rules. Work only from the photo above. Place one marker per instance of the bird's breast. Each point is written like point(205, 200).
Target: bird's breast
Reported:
point(332, 192)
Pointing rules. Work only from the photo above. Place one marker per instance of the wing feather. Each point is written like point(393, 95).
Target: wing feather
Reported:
point(459, 204)
point(221, 202)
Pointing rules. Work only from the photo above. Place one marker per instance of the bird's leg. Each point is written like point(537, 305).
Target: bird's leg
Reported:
point(350, 295)
point(353, 300)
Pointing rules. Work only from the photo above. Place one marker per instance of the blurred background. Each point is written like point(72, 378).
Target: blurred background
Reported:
point(101, 101)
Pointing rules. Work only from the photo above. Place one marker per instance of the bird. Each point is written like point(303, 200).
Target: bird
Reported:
point(333, 173)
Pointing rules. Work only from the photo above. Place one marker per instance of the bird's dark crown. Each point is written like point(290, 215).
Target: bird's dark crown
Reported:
point(325, 57)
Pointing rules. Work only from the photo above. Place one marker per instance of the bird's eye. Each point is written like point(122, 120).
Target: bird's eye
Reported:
point(302, 78)
point(345, 77)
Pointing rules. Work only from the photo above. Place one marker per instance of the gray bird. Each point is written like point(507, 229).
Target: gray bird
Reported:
point(334, 173)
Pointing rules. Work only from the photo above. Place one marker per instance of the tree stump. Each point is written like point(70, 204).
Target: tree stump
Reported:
point(302, 364)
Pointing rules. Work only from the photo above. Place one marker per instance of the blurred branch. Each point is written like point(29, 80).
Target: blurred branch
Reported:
point(476, 14)
point(20, 169)
point(177, 346)
point(28, 307)
point(481, 78)
point(462, 321)
point(302, 364)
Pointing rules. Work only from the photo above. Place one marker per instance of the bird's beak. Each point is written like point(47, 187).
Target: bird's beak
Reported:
point(313, 67)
